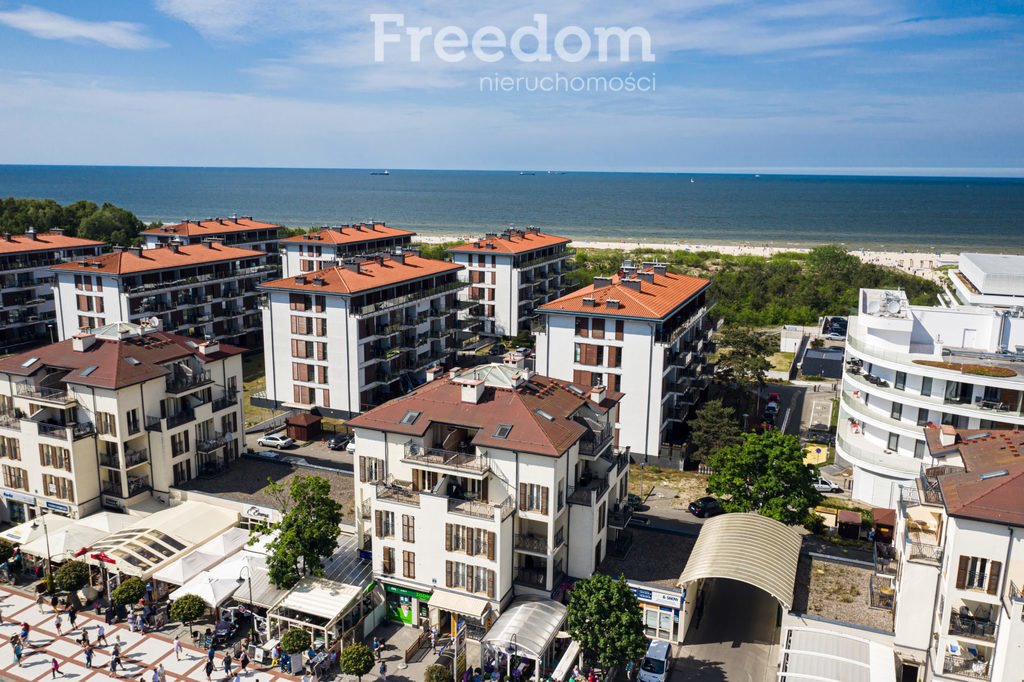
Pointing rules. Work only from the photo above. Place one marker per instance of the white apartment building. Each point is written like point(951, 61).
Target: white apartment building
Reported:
point(27, 313)
point(484, 484)
point(988, 279)
point(510, 275)
point(351, 336)
point(206, 291)
point(240, 231)
point(318, 249)
point(645, 332)
point(908, 367)
point(113, 417)
point(960, 548)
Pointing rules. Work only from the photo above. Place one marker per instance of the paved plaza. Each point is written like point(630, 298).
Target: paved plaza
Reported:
point(140, 653)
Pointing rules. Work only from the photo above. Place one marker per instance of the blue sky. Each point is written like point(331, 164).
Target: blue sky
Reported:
point(893, 86)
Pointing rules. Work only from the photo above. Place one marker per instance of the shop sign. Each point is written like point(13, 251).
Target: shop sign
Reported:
point(56, 506)
point(412, 594)
point(257, 514)
point(19, 497)
point(673, 599)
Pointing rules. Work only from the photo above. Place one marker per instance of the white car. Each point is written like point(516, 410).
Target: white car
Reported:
point(350, 447)
point(823, 485)
point(275, 440)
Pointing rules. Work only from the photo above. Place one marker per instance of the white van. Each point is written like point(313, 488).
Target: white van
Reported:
point(656, 663)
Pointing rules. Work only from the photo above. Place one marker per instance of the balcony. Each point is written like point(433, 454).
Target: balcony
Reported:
point(590, 494)
point(600, 442)
point(924, 553)
point(182, 383)
point(399, 494)
point(216, 440)
point(480, 510)
point(174, 421)
point(66, 431)
point(460, 461)
point(49, 395)
point(966, 666)
point(532, 577)
point(619, 518)
point(136, 485)
point(971, 626)
point(9, 422)
point(535, 544)
point(225, 402)
point(372, 308)
point(132, 458)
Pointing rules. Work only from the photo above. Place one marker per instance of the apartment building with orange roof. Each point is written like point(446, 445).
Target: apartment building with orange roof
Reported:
point(645, 332)
point(510, 275)
point(355, 334)
point(206, 291)
point(318, 249)
point(240, 231)
point(27, 312)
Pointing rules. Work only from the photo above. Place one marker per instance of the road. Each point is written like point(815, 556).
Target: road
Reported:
point(732, 638)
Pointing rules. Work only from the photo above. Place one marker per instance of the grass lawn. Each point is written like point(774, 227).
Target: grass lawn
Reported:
point(688, 485)
point(253, 381)
point(781, 362)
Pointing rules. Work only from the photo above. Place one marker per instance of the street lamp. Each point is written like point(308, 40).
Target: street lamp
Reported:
point(46, 534)
point(248, 576)
point(49, 328)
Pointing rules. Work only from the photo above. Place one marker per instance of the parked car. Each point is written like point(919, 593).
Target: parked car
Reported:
point(823, 485)
point(657, 662)
point(705, 507)
point(834, 336)
point(338, 441)
point(771, 408)
point(350, 447)
point(275, 440)
point(822, 437)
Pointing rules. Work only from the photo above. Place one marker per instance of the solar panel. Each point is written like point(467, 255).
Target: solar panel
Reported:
point(88, 370)
point(131, 360)
point(30, 362)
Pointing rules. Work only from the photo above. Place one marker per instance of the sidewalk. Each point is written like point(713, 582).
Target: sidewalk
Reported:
point(140, 653)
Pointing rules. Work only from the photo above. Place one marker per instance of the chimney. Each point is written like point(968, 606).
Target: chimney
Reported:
point(631, 283)
point(31, 233)
point(318, 281)
point(454, 372)
point(301, 279)
point(646, 277)
point(588, 302)
point(57, 231)
point(353, 266)
point(7, 237)
point(136, 250)
point(82, 342)
point(174, 246)
point(602, 282)
point(433, 373)
point(947, 435)
point(209, 347)
point(597, 394)
point(472, 389)
point(660, 269)
point(613, 303)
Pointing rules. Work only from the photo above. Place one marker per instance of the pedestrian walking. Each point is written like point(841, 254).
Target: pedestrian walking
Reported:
point(40, 600)
point(161, 673)
point(131, 623)
point(55, 668)
point(88, 656)
point(177, 649)
point(53, 603)
point(23, 634)
point(155, 676)
point(72, 616)
point(117, 642)
point(210, 653)
point(58, 623)
point(209, 669)
point(433, 640)
point(85, 636)
point(227, 664)
point(17, 654)
point(101, 635)
point(113, 664)
point(384, 671)
point(243, 661)
point(376, 648)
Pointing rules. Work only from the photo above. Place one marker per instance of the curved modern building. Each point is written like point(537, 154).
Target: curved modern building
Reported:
point(907, 367)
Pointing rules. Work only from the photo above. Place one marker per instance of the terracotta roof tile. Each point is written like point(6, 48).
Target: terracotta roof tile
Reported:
point(162, 258)
point(44, 241)
point(349, 234)
point(518, 242)
point(212, 227)
point(657, 299)
point(441, 401)
point(373, 274)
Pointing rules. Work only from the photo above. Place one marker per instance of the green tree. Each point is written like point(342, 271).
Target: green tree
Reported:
point(436, 251)
point(744, 356)
point(307, 532)
point(437, 673)
point(129, 591)
point(72, 576)
point(188, 609)
point(713, 428)
point(294, 641)
point(605, 618)
point(765, 474)
point(356, 659)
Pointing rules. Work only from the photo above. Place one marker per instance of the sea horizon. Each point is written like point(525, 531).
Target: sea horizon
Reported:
point(884, 212)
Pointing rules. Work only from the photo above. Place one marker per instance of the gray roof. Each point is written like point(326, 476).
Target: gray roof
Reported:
point(830, 656)
point(529, 622)
point(750, 548)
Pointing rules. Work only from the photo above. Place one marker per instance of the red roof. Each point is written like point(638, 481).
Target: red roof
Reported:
point(515, 241)
point(349, 234)
point(161, 258)
point(212, 227)
point(373, 273)
point(636, 297)
point(440, 401)
point(991, 486)
point(44, 241)
point(113, 368)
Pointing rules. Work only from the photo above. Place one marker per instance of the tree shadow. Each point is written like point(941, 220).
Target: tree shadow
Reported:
point(698, 670)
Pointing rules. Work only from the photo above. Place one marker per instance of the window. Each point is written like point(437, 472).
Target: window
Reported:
point(582, 326)
point(410, 417)
point(503, 431)
point(385, 524)
point(106, 424)
point(922, 416)
point(388, 560)
point(619, 328)
point(601, 515)
point(474, 579)
point(56, 457)
point(901, 381)
point(408, 530)
point(179, 443)
point(926, 386)
point(371, 469)
point(533, 497)
point(919, 449)
point(976, 573)
point(10, 448)
point(897, 411)
point(133, 421)
point(409, 564)
point(894, 441)
point(561, 496)
point(59, 487)
point(182, 472)
point(472, 541)
point(15, 477)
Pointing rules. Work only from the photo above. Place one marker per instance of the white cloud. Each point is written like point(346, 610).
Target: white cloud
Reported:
point(49, 25)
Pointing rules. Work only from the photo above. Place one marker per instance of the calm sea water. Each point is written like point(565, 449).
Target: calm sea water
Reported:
point(919, 213)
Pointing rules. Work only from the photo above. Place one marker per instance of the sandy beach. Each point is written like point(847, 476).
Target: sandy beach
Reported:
point(918, 263)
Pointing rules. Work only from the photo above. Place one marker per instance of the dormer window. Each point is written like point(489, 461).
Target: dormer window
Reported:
point(503, 431)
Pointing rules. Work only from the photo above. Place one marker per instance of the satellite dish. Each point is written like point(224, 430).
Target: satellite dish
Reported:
point(893, 307)
point(873, 307)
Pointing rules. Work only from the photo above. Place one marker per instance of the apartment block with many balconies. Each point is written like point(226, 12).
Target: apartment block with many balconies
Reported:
point(909, 367)
point(27, 312)
point(114, 417)
point(319, 249)
point(243, 232)
point(206, 291)
point(960, 558)
point(484, 484)
point(352, 336)
point(645, 332)
point(510, 275)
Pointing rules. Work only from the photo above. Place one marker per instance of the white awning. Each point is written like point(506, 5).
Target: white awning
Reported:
point(319, 597)
point(530, 623)
point(31, 530)
point(830, 656)
point(213, 591)
point(180, 571)
point(458, 603)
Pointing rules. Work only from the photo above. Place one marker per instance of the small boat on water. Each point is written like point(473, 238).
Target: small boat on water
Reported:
point(384, 172)
point(526, 173)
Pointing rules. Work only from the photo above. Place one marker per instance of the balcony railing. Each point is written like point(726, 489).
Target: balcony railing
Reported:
point(181, 383)
point(174, 421)
point(480, 510)
point(601, 441)
point(50, 395)
point(1016, 592)
point(966, 667)
point(469, 461)
point(225, 402)
point(532, 577)
point(531, 543)
point(381, 306)
point(217, 440)
point(395, 493)
point(9, 422)
point(590, 494)
point(620, 518)
point(136, 485)
point(924, 552)
point(969, 626)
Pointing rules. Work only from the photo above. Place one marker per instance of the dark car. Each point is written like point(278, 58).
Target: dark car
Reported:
point(706, 507)
point(338, 441)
